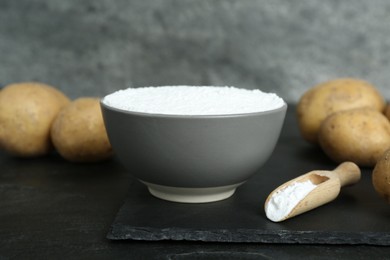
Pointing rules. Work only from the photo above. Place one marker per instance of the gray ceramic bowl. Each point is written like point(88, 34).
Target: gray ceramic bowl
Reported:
point(193, 158)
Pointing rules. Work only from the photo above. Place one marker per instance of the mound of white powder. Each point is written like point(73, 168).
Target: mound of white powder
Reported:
point(193, 100)
point(284, 201)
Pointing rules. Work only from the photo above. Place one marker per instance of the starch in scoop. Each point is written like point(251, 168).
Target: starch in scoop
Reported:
point(283, 201)
point(193, 100)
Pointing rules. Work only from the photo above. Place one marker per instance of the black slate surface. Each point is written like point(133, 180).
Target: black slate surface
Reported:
point(357, 216)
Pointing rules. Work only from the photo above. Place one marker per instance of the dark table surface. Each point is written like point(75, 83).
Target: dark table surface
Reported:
point(53, 209)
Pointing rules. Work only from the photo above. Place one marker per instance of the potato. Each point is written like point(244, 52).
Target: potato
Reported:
point(387, 111)
point(78, 132)
point(359, 135)
point(332, 96)
point(381, 176)
point(27, 111)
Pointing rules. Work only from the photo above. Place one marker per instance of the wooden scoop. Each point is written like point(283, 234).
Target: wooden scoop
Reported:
point(327, 188)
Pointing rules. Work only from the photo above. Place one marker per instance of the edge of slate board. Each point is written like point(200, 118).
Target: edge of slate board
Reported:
point(123, 232)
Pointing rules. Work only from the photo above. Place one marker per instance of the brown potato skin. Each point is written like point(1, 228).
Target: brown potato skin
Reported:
point(27, 110)
point(387, 111)
point(359, 135)
point(332, 96)
point(79, 134)
point(381, 176)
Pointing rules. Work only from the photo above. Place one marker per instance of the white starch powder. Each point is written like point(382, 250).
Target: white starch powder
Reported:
point(193, 100)
point(283, 201)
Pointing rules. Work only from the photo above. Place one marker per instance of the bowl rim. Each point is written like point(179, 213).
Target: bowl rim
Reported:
point(156, 115)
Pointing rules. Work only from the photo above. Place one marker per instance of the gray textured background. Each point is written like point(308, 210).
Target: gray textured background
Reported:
point(93, 47)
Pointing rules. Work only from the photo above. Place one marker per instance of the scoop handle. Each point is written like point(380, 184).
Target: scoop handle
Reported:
point(348, 173)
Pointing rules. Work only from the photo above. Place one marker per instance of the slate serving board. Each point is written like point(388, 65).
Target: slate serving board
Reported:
point(357, 216)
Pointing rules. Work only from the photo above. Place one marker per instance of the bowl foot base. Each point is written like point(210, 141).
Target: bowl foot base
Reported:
point(191, 195)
